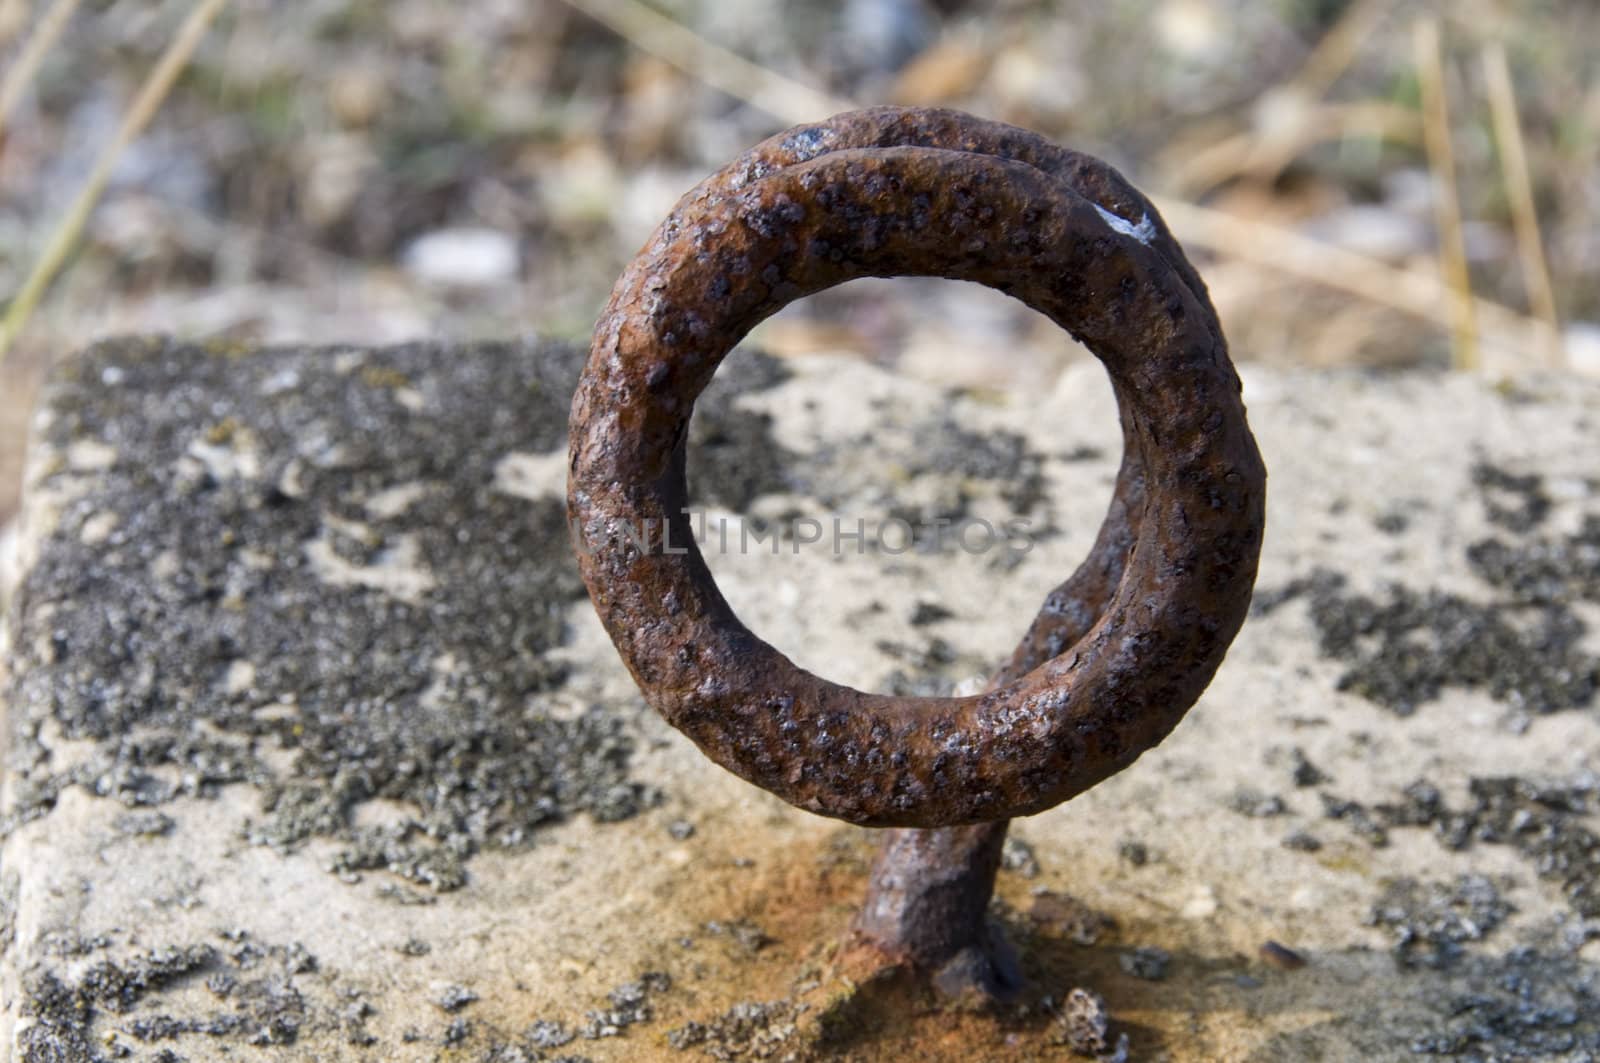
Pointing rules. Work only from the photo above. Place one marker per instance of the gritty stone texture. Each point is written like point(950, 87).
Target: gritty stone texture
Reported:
point(315, 749)
point(1085, 1025)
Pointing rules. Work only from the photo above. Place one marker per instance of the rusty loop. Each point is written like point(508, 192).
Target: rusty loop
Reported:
point(1119, 652)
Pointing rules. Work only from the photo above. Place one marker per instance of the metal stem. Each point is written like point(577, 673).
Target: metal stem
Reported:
point(927, 908)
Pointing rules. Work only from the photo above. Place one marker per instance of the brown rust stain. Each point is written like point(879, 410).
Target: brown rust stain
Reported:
point(802, 897)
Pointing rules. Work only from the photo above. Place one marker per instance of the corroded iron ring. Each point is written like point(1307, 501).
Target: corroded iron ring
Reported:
point(1119, 653)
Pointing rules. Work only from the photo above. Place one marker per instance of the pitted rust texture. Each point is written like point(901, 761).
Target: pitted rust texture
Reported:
point(1119, 652)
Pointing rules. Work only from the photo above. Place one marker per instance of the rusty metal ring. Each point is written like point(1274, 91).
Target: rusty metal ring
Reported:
point(928, 194)
point(1073, 607)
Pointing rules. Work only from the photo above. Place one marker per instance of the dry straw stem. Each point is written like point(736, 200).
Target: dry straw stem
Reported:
point(1447, 205)
point(1337, 49)
point(1519, 191)
point(669, 40)
point(144, 106)
point(27, 64)
point(1265, 157)
point(13, 13)
point(1285, 251)
point(1291, 117)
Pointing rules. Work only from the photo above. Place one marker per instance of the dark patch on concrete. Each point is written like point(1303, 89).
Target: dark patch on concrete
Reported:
point(946, 460)
point(1403, 649)
point(263, 998)
point(118, 987)
point(1538, 1002)
point(1523, 646)
point(1544, 821)
point(401, 850)
point(1392, 522)
point(1301, 841)
point(946, 448)
point(62, 1010)
point(1431, 921)
point(748, 1030)
point(1303, 772)
point(1250, 802)
point(199, 634)
point(1543, 570)
point(1357, 817)
point(932, 668)
point(1516, 502)
point(51, 1044)
point(927, 613)
point(734, 459)
point(733, 456)
point(627, 1005)
point(934, 654)
point(1531, 1004)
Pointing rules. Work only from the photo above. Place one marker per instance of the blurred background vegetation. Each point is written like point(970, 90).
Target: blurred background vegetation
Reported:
point(1364, 182)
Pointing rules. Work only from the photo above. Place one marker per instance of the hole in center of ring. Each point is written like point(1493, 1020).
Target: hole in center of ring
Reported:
point(887, 479)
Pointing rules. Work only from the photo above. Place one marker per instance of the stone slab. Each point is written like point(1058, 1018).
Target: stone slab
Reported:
point(315, 749)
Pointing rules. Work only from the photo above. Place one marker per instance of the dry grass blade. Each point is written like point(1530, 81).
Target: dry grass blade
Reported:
point(144, 106)
point(1519, 190)
point(1284, 251)
point(1291, 117)
point(13, 13)
point(21, 73)
point(1199, 171)
point(718, 67)
point(1338, 47)
point(1447, 205)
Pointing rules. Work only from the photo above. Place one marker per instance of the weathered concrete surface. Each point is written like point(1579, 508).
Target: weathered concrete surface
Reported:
point(316, 751)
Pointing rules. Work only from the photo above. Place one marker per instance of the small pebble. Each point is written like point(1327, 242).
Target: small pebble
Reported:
point(455, 997)
point(1304, 772)
point(1281, 956)
point(1135, 853)
point(681, 829)
point(1085, 1023)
